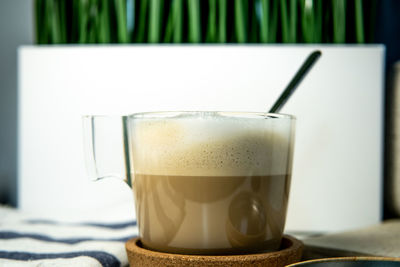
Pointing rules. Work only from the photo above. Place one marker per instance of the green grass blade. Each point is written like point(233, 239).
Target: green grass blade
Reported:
point(74, 30)
point(240, 21)
point(339, 21)
point(39, 29)
point(48, 22)
point(130, 17)
point(327, 22)
point(83, 21)
point(318, 21)
point(194, 21)
point(293, 22)
point(91, 35)
point(93, 22)
point(308, 21)
point(104, 22)
point(178, 21)
point(45, 24)
point(154, 21)
point(222, 17)
point(359, 22)
point(273, 23)
point(304, 28)
point(311, 21)
point(54, 21)
point(173, 31)
point(370, 20)
point(211, 36)
point(62, 9)
point(264, 29)
point(170, 25)
point(122, 29)
point(284, 21)
point(142, 15)
point(254, 25)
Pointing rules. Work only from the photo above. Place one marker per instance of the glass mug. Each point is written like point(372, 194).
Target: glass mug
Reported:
point(204, 182)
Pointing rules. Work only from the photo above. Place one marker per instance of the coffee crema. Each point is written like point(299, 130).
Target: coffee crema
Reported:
point(211, 185)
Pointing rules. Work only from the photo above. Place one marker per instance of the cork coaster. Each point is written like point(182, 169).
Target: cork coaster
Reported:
point(290, 252)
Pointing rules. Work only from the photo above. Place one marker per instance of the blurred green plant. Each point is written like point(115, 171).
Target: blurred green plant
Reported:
point(204, 21)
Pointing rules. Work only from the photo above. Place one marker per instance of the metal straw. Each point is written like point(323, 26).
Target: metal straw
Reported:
point(301, 73)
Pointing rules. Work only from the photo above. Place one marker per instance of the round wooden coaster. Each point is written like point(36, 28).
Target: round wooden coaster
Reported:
point(290, 252)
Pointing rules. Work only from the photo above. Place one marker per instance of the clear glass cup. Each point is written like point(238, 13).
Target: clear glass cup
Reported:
point(204, 182)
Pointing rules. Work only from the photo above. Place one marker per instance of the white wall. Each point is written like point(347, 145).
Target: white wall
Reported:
point(16, 28)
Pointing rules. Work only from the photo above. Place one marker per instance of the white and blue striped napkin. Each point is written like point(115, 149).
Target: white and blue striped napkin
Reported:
point(26, 241)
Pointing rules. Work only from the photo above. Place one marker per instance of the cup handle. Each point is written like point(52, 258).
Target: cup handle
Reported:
point(106, 147)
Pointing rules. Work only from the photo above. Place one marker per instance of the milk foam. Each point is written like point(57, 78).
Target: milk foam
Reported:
point(216, 146)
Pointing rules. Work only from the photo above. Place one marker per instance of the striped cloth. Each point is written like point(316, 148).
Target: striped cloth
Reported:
point(26, 241)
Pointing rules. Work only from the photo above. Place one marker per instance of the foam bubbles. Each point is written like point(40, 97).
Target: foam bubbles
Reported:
point(212, 145)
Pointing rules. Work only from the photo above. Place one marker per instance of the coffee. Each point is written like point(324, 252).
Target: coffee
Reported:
point(211, 184)
point(178, 213)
